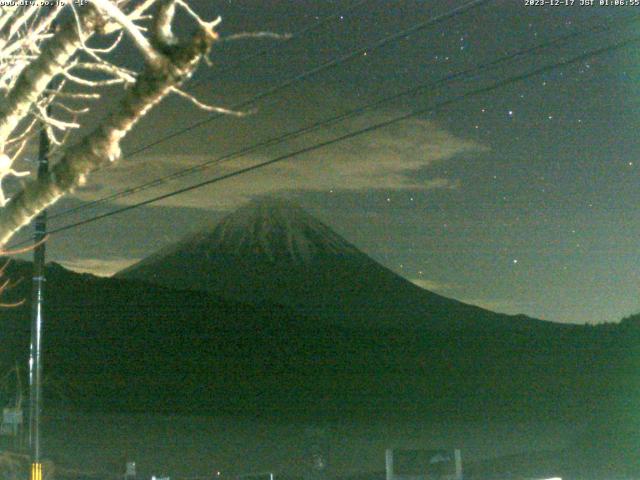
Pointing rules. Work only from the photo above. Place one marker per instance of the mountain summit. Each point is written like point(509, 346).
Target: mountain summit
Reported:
point(278, 231)
point(274, 251)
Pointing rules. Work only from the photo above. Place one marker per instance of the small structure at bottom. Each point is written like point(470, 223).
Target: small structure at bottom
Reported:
point(421, 464)
point(130, 471)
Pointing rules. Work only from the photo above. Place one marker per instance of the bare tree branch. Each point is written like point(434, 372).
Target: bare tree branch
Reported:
point(148, 52)
point(35, 78)
point(254, 35)
point(205, 107)
point(43, 64)
point(102, 145)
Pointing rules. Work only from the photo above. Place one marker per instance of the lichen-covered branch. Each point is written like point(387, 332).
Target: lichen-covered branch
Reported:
point(102, 145)
point(36, 76)
point(147, 51)
point(34, 52)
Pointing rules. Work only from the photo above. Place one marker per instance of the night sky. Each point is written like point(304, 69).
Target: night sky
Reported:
point(520, 200)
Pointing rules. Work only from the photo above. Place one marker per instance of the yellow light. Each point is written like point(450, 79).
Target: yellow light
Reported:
point(36, 471)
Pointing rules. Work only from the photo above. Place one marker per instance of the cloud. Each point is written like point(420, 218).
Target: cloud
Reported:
point(385, 159)
point(97, 266)
point(432, 285)
point(510, 307)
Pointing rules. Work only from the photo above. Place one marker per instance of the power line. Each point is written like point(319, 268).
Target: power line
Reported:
point(376, 126)
point(320, 68)
point(469, 72)
point(305, 75)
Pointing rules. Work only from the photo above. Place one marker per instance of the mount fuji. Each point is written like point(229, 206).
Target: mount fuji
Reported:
point(310, 325)
point(273, 251)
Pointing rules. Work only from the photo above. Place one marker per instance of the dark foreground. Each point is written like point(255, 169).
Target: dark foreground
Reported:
point(97, 446)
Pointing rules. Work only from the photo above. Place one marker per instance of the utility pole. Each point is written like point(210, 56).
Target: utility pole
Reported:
point(37, 314)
